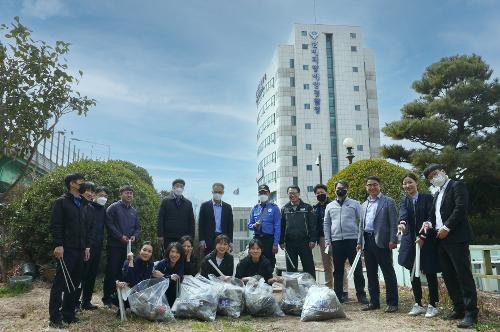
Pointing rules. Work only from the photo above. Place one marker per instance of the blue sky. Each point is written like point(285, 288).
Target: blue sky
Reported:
point(175, 80)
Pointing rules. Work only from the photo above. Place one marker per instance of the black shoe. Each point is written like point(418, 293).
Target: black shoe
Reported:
point(71, 320)
point(391, 308)
point(88, 306)
point(341, 300)
point(468, 322)
point(363, 300)
point(371, 306)
point(345, 296)
point(57, 324)
point(108, 305)
point(454, 315)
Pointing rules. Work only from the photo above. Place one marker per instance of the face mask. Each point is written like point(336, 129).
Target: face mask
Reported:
point(439, 180)
point(101, 200)
point(341, 192)
point(321, 197)
point(263, 198)
point(217, 196)
point(178, 191)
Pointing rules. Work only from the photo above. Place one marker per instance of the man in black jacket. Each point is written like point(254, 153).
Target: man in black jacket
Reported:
point(298, 232)
point(454, 233)
point(320, 190)
point(175, 216)
point(215, 218)
point(71, 226)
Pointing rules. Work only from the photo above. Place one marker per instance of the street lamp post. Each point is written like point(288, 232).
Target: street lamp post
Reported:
point(106, 145)
point(318, 163)
point(349, 144)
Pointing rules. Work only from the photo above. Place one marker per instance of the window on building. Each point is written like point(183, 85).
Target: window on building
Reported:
point(295, 181)
point(292, 63)
point(305, 46)
point(360, 147)
point(356, 88)
point(305, 67)
point(294, 140)
point(309, 167)
point(357, 107)
point(306, 86)
point(358, 127)
point(294, 160)
point(303, 33)
point(310, 189)
point(307, 126)
point(293, 120)
point(353, 35)
point(307, 106)
point(308, 146)
point(292, 100)
point(292, 81)
point(354, 48)
point(354, 69)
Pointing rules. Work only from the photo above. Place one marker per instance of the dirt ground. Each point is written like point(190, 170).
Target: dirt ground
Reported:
point(29, 312)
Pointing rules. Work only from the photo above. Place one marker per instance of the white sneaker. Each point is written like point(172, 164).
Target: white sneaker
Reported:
point(416, 310)
point(431, 311)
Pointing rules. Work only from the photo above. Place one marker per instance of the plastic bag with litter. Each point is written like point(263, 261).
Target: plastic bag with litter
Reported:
point(198, 299)
point(259, 298)
point(321, 303)
point(231, 301)
point(296, 285)
point(147, 299)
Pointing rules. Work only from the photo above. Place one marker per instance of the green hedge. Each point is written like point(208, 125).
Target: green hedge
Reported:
point(389, 174)
point(29, 224)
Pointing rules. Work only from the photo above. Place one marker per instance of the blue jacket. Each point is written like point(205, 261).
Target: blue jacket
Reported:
point(121, 219)
point(271, 220)
point(141, 271)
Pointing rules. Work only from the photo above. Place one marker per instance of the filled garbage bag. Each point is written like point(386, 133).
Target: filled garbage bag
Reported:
point(259, 298)
point(147, 299)
point(321, 303)
point(198, 299)
point(296, 286)
point(231, 301)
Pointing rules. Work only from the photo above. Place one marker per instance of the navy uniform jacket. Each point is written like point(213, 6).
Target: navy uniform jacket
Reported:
point(271, 220)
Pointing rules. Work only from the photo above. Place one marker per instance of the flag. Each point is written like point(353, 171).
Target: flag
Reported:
point(236, 191)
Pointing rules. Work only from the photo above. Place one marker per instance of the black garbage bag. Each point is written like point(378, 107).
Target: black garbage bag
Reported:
point(231, 300)
point(296, 286)
point(198, 299)
point(321, 303)
point(147, 299)
point(259, 298)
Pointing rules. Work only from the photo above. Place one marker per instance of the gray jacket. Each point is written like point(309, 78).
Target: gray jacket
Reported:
point(341, 221)
point(385, 223)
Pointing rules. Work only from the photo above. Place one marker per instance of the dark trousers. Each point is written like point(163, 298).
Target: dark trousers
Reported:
point(63, 306)
point(114, 263)
point(89, 274)
point(346, 250)
point(457, 274)
point(267, 244)
point(172, 292)
point(375, 257)
point(296, 249)
point(432, 283)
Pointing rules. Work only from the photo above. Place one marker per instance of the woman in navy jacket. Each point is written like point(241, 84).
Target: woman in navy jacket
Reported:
point(172, 268)
point(417, 230)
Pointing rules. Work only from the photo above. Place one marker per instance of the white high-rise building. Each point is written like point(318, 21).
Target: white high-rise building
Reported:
point(318, 90)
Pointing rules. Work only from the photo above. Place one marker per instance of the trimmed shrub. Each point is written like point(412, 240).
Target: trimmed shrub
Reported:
point(30, 223)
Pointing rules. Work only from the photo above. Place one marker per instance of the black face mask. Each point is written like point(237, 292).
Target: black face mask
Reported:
point(341, 192)
point(321, 197)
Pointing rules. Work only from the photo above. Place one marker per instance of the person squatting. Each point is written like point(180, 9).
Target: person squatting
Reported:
point(431, 230)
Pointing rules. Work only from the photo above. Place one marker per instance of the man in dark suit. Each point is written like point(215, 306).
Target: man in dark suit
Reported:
point(454, 232)
point(215, 218)
point(377, 237)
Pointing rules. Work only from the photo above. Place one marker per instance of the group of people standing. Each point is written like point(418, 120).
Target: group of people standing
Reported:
point(341, 227)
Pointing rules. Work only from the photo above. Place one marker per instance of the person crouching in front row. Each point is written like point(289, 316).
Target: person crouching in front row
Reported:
point(172, 268)
point(220, 257)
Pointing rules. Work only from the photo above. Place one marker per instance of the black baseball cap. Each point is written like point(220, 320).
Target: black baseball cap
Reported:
point(263, 187)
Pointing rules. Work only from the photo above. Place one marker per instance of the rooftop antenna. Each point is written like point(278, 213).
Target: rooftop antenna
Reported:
point(314, 6)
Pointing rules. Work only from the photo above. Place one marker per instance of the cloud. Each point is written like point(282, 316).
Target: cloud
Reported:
point(44, 9)
point(171, 168)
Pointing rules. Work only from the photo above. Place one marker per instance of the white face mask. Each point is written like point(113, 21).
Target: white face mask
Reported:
point(178, 191)
point(101, 200)
point(217, 196)
point(263, 198)
point(439, 180)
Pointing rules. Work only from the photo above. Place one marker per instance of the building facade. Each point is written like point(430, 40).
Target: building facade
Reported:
point(241, 234)
point(319, 89)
